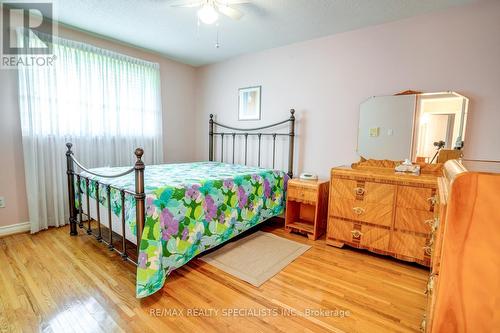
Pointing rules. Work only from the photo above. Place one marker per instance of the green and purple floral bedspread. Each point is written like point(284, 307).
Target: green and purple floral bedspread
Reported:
point(190, 208)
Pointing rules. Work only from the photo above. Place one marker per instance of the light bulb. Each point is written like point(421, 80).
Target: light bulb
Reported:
point(207, 14)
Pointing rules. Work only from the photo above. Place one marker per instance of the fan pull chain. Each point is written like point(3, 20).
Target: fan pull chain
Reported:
point(217, 44)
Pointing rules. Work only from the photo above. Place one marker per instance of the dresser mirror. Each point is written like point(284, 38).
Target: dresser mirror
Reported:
point(412, 125)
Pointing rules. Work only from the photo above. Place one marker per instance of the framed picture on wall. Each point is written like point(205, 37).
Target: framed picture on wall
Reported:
point(249, 103)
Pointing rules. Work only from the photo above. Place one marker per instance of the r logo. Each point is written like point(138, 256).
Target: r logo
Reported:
point(26, 18)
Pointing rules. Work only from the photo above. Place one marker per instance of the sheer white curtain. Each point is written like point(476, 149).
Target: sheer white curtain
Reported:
point(105, 103)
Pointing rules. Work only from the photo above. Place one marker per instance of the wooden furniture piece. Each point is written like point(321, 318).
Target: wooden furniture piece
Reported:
point(448, 154)
point(464, 285)
point(382, 211)
point(306, 207)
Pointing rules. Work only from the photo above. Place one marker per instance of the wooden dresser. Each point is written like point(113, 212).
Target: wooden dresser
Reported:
point(464, 284)
point(383, 212)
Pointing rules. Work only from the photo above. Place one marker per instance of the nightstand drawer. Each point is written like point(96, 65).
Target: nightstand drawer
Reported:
point(362, 211)
point(363, 191)
point(302, 194)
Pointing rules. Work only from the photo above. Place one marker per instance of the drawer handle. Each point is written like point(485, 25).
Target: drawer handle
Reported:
point(359, 190)
point(356, 234)
point(430, 285)
point(423, 324)
point(429, 222)
point(433, 224)
point(432, 200)
point(358, 210)
point(427, 250)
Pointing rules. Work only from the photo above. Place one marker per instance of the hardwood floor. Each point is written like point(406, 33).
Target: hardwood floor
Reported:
point(52, 282)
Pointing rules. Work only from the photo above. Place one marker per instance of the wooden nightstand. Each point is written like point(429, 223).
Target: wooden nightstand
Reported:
point(307, 207)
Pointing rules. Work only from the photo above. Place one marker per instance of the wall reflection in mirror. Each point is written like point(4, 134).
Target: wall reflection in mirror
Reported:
point(423, 127)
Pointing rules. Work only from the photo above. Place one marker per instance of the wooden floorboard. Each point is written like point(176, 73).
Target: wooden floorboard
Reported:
point(52, 282)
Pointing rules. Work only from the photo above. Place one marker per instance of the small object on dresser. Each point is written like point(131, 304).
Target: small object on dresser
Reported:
point(308, 176)
point(408, 167)
point(306, 207)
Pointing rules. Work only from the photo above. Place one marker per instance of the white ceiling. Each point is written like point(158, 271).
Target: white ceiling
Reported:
point(173, 32)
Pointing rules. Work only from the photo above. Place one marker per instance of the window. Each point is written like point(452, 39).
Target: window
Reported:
point(91, 92)
point(106, 104)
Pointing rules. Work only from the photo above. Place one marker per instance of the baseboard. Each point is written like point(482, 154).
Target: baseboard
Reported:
point(15, 229)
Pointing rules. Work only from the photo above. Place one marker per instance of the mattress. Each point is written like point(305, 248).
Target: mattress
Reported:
point(190, 208)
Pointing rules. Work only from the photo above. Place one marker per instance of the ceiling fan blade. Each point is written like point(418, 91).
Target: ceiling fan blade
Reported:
point(187, 5)
point(233, 2)
point(229, 12)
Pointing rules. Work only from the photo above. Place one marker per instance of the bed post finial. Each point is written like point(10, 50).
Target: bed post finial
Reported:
point(291, 143)
point(138, 153)
point(211, 138)
point(139, 196)
point(70, 168)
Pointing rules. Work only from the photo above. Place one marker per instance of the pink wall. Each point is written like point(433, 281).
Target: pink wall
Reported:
point(12, 185)
point(177, 83)
point(326, 79)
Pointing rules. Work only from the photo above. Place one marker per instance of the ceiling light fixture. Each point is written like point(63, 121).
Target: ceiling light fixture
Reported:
point(207, 13)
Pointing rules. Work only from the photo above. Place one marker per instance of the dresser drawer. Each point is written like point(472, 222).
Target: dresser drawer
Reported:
point(414, 220)
point(362, 191)
point(302, 194)
point(358, 234)
point(362, 211)
point(343, 188)
point(416, 197)
point(410, 245)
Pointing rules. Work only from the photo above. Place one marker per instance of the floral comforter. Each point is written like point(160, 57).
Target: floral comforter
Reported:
point(190, 208)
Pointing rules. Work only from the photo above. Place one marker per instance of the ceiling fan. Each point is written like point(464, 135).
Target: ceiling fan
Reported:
point(209, 10)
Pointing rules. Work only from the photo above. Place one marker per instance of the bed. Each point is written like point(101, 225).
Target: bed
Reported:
point(177, 211)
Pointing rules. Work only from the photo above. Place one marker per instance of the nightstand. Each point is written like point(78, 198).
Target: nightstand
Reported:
point(307, 207)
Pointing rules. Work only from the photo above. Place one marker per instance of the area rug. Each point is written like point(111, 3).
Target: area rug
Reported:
point(257, 257)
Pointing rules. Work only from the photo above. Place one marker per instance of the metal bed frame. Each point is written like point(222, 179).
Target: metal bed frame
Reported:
point(76, 214)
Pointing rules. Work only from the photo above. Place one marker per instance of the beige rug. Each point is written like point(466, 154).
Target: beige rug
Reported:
point(257, 257)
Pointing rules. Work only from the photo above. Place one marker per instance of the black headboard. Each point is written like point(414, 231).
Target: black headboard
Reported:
point(213, 127)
